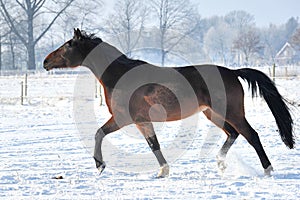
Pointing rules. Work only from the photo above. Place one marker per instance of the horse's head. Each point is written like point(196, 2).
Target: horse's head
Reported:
point(73, 52)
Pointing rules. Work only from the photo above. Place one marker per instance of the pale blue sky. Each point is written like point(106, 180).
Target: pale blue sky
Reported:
point(264, 11)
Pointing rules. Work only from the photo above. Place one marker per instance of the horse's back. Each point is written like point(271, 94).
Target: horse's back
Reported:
point(216, 87)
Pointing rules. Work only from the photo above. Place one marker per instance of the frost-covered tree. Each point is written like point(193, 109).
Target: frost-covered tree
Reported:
point(290, 27)
point(218, 43)
point(176, 19)
point(239, 20)
point(86, 13)
point(296, 39)
point(28, 19)
point(126, 23)
point(248, 42)
point(3, 33)
point(272, 38)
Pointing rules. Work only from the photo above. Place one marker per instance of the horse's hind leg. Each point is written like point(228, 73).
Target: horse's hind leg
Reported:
point(148, 131)
point(232, 134)
point(244, 128)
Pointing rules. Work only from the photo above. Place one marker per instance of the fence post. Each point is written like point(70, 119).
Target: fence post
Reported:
point(100, 95)
point(274, 72)
point(22, 95)
point(25, 85)
point(98, 92)
point(96, 89)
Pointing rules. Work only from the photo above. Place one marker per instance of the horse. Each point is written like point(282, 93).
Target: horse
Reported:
point(140, 93)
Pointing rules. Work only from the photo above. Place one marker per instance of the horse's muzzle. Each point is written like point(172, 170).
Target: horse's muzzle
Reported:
point(46, 65)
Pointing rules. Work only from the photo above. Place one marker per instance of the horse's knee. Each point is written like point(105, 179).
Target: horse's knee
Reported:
point(99, 135)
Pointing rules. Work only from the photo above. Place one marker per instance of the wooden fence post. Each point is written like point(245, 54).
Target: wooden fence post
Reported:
point(96, 88)
point(98, 92)
point(22, 91)
point(25, 85)
point(274, 72)
point(100, 95)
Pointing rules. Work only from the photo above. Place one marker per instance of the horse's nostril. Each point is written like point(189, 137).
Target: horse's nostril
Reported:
point(45, 61)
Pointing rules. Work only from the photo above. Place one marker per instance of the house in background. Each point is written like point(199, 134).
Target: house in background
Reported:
point(288, 55)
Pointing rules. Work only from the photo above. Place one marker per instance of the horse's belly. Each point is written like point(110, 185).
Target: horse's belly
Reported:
point(159, 112)
point(161, 103)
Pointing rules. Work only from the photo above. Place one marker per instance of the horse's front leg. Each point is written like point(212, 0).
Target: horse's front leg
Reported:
point(108, 127)
point(148, 131)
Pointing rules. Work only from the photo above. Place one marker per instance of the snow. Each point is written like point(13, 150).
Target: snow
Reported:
point(52, 135)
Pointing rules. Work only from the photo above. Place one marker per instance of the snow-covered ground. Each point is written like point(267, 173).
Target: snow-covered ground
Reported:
point(51, 136)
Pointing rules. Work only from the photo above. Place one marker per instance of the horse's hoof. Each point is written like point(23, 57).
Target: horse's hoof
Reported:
point(100, 165)
point(163, 171)
point(268, 170)
point(222, 165)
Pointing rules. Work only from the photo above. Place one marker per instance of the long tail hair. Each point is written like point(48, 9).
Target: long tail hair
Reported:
point(258, 81)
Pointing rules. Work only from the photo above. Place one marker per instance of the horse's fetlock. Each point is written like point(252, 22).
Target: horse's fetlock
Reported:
point(163, 171)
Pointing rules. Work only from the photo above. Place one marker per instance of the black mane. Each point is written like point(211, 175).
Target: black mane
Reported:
point(123, 60)
point(129, 62)
point(91, 36)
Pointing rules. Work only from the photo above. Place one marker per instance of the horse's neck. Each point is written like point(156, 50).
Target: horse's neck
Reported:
point(100, 58)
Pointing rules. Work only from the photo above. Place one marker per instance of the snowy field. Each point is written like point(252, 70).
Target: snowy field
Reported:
point(50, 137)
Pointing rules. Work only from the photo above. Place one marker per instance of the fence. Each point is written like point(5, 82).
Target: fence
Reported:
point(280, 71)
point(45, 88)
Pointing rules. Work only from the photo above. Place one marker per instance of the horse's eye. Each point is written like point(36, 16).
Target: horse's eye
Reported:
point(69, 44)
point(72, 43)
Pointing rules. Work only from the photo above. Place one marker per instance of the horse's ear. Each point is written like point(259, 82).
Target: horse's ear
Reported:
point(77, 34)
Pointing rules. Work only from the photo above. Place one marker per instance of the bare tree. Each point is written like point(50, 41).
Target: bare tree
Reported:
point(3, 33)
point(273, 38)
point(12, 40)
point(127, 23)
point(86, 13)
point(0, 53)
point(295, 40)
point(239, 19)
point(248, 42)
point(21, 16)
point(218, 42)
point(177, 19)
point(290, 27)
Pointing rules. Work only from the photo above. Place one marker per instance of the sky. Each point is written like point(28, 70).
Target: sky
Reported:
point(264, 11)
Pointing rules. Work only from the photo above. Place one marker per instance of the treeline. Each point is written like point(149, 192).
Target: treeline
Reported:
point(32, 28)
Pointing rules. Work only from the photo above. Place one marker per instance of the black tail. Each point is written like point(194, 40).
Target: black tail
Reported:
point(275, 101)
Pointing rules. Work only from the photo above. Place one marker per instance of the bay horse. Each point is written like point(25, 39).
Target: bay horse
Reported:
point(140, 93)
